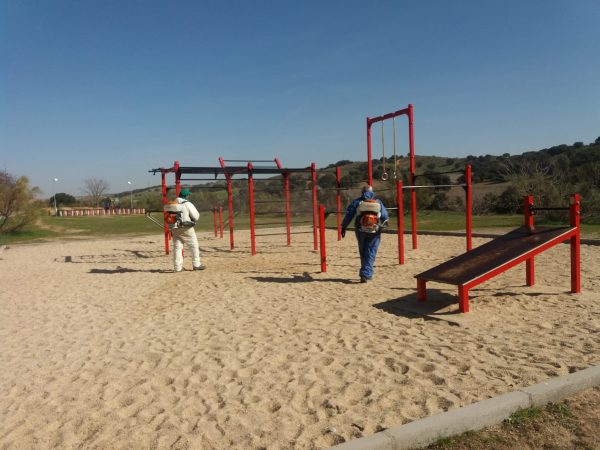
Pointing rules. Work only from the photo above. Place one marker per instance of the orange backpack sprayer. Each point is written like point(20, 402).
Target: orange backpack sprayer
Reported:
point(370, 212)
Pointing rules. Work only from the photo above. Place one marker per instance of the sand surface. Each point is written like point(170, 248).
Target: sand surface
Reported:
point(102, 346)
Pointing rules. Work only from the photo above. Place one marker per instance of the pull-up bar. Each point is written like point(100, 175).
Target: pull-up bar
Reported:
point(229, 172)
point(408, 111)
point(252, 160)
point(468, 210)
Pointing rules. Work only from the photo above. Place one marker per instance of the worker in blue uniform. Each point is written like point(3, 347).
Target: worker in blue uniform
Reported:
point(370, 218)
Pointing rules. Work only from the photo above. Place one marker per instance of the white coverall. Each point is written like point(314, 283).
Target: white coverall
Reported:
point(185, 235)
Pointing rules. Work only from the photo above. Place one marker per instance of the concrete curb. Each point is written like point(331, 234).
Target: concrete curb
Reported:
point(488, 412)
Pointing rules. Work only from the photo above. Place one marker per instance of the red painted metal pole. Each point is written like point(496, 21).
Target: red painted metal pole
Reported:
point(221, 221)
point(421, 290)
point(288, 222)
point(215, 219)
point(413, 192)
point(322, 240)
point(575, 214)
point(229, 203)
point(529, 264)
point(338, 201)
point(164, 201)
point(313, 168)
point(463, 299)
point(286, 182)
point(399, 199)
point(469, 207)
point(251, 200)
point(177, 178)
point(369, 154)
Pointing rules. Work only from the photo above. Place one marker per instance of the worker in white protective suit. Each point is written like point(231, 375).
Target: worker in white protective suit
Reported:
point(183, 231)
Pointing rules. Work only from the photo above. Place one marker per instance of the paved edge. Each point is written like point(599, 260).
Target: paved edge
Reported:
point(488, 412)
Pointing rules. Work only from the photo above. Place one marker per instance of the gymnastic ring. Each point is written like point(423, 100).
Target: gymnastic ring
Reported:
point(384, 176)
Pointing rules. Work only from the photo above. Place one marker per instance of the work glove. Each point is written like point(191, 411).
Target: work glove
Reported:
point(343, 233)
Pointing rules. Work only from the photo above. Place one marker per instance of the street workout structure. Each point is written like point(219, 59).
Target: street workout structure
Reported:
point(466, 271)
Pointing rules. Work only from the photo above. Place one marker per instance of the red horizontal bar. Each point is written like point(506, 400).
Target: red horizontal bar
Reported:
point(400, 112)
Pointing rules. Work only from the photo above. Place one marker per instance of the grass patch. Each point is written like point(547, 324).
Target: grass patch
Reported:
point(524, 415)
point(50, 227)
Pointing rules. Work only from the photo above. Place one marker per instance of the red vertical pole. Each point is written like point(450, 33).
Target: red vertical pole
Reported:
point(164, 201)
point(338, 201)
point(421, 290)
point(177, 178)
point(413, 192)
point(529, 264)
point(369, 154)
point(574, 213)
point(288, 222)
point(221, 221)
point(399, 198)
point(463, 299)
point(313, 168)
point(229, 202)
point(251, 199)
point(215, 219)
point(469, 206)
point(286, 183)
point(322, 240)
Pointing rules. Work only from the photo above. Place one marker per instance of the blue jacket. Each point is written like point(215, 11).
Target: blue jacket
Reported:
point(351, 209)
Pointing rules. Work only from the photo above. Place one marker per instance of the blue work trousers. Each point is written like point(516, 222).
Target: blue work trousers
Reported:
point(368, 243)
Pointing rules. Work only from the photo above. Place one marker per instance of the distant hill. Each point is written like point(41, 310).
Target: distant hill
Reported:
point(499, 181)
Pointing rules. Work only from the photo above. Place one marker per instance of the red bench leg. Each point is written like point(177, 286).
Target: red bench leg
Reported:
point(530, 272)
point(463, 299)
point(421, 290)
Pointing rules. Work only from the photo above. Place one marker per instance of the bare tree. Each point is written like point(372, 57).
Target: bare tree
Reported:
point(95, 188)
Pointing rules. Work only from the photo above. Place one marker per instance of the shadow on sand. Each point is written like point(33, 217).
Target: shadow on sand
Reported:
point(304, 278)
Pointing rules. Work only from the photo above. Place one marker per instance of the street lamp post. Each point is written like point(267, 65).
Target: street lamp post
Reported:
point(55, 208)
point(130, 196)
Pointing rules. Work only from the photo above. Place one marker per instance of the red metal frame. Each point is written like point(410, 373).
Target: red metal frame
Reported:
point(468, 214)
point(249, 169)
point(313, 168)
point(215, 220)
point(229, 203)
point(409, 112)
point(573, 235)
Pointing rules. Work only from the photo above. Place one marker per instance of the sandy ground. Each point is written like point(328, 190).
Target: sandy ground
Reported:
point(102, 346)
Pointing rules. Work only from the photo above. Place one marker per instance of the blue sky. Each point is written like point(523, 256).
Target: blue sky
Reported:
point(111, 89)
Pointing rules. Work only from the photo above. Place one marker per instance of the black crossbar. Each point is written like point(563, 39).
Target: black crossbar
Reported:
point(550, 208)
point(438, 173)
